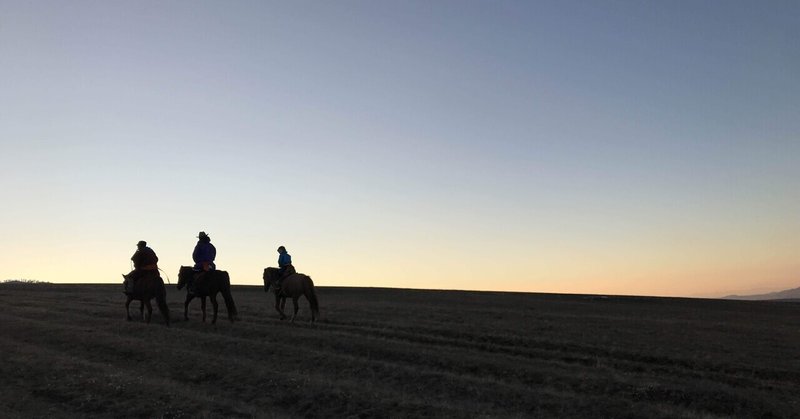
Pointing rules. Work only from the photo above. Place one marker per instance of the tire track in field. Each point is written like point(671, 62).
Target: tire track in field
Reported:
point(472, 385)
point(583, 355)
point(414, 362)
point(713, 373)
point(87, 394)
point(247, 365)
point(587, 356)
point(555, 353)
point(381, 350)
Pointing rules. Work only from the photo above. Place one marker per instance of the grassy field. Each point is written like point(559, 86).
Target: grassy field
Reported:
point(68, 352)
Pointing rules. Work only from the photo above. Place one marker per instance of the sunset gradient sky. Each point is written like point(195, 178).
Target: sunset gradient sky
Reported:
point(625, 147)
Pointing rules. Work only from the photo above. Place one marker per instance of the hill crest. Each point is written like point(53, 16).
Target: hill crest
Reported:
point(793, 293)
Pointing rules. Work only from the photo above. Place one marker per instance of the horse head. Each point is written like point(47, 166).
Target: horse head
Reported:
point(184, 274)
point(270, 275)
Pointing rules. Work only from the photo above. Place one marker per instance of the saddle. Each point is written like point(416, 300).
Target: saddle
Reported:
point(286, 273)
point(130, 280)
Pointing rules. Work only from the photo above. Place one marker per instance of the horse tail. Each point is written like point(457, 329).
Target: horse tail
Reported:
point(312, 298)
point(233, 314)
point(161, 300)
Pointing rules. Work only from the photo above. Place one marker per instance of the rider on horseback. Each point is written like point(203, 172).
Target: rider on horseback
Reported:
point(145, 262)
point(284, 265)
point(203, 255)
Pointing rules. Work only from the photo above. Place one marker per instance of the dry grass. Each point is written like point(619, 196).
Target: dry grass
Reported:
point(68, 352)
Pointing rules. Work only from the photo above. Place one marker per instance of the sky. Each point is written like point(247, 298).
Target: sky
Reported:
point(614, 147)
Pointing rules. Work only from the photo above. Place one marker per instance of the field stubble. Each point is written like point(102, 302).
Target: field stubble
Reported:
point(67, 351)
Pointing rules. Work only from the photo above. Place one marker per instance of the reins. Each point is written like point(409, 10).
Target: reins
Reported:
point(165, 274)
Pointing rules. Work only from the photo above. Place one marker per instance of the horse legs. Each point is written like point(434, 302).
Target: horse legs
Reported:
point(149, 309)
point(279, 306)
point(311, 302)
point(163, 307)
point(294, 301)
point(127, 307)
point(189, 298)
point(233, 314)
point(203, 307)
point(311, 296)
point(216, 306)
point(141, 309)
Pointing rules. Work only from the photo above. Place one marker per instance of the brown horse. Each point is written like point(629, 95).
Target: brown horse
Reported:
point(145, 289)
point(293, 286)
point(209, 285)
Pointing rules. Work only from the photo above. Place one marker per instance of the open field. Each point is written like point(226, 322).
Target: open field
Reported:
point(68, 352)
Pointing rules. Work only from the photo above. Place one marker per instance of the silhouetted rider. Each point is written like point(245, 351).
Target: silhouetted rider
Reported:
point(145, 262)
point(285, 267)
point(203, 255)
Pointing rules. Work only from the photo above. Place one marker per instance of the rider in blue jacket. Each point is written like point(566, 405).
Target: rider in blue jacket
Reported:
point(204, 253)
point(203, 256)
point(284, 265)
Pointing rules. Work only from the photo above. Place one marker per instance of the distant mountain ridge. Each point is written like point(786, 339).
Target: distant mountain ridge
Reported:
point(793, 293)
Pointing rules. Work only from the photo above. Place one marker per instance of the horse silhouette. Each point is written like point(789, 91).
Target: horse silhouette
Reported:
point(211, 283)
point(294, 286)
point(145, 289)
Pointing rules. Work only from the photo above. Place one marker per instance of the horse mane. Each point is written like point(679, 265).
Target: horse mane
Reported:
point(187, 269)
point(271, 271)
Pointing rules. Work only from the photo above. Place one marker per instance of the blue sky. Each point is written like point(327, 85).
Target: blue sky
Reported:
point(616, 147)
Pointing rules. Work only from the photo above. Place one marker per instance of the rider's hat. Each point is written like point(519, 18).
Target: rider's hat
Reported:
point(141, 243)
point(202, 235)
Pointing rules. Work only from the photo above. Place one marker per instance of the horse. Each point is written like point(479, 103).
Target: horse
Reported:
point(293, 286)
point(211, 283)
point(145, 289)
